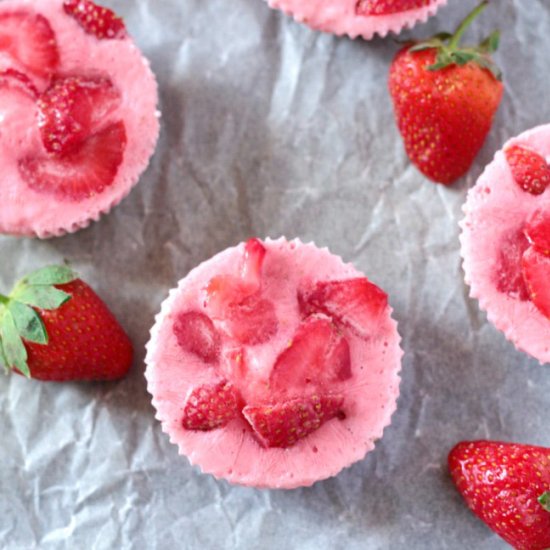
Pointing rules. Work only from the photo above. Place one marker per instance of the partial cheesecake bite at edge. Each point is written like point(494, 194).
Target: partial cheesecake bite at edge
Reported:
point(79, 115)
point(504, 241)
point(364, 18)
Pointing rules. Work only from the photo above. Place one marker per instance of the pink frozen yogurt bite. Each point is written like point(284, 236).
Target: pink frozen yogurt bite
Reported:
point(359, 17)
point(78, 115)
point(274, 364)
point(506, 241)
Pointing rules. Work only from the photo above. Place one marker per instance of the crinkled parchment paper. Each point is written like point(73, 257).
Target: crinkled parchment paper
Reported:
point(269, 129)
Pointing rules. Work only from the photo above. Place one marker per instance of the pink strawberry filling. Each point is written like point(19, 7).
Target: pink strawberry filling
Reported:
point(523, 270)
point(304, 387)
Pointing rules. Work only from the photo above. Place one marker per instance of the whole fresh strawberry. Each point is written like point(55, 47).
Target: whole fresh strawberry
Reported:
point(53, 326)
point(508, 487)
point(445, 97)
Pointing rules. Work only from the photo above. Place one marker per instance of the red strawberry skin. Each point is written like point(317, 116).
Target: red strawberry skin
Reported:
point(501, 483)
point(86, 342)
point(97, 20)
point(387, 7)
point(443, 116)
point(210, 406)
point(30, 42)
point(285, 423)
point(536, 273)
point(529, 169)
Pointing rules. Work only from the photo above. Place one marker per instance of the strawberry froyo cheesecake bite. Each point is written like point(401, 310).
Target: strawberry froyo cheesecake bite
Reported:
point(506, 241)
point(359, 17)
point(274, 364)
point(78, 115)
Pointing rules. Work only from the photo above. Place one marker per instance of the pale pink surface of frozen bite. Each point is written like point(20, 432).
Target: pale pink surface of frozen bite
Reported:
point(343, 16)
point(233, 452)
point(492, 240)
point(30, 212)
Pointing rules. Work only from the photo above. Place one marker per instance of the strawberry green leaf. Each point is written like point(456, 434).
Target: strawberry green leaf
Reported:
point(461, 57)
point(449, 50)
point(42, 297)
point(491, 43)
point(51, 275)
point(428, 45)
point(14, 349)
point(486, 63)
point(28, 323)
point(443, 59)
point(3, 361)
point(544, 500)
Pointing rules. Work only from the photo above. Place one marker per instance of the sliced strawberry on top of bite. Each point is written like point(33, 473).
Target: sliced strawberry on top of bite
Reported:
point(284, 424)
point(529, 169)
point(97, 20)
point(13, 79)
point(317, 356)
point(223, 291)
point(210, 406)
point(79, 175)
point(236, 301)
point(387, 7)
point(356, 303)
point(27, 42)
point(195, 333)
point(508, 276)
point(251, 269)
point(536, 273)
point(253, 321)
point(73, 108)
point(537, 230)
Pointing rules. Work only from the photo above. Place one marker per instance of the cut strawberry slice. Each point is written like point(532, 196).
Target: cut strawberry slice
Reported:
point(386, 7)
point(509, 279)
point(536, 272)
point(284, 424)
point(80, 175)
point(27, 42)
point(72, 109)
point(210, 406)
point(529, 169)
point(254, 254)
point(196, 334)
point(97, 20)
point(356, 303)
point(252, 321)
point(537, 230)
point(317, 356)
point(224, 291)
point(15, 80)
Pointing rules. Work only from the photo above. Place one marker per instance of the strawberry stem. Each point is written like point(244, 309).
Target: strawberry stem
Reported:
point(457, 36)
point(544, 500)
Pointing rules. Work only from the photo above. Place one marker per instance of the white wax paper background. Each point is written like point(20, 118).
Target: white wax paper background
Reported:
point(270, 128)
